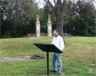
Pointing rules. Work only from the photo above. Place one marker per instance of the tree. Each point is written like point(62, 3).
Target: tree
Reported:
point(58, 10)
point(3, 14)
point(84, 18)
point(76, 17)
point(20, 16)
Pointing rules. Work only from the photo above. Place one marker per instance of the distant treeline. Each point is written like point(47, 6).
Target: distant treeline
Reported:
point(18, 17)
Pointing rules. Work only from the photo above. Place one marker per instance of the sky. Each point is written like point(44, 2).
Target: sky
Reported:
point(41, 3)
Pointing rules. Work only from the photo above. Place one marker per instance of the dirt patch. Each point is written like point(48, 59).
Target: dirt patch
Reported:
point(21, 58)
point(37, 57)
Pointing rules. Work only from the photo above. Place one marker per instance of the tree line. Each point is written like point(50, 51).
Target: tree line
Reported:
point(20, 17)
point(17, 17)
point(76, 18)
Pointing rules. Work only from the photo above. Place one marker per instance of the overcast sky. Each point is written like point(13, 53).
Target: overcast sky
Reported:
point(41, 2)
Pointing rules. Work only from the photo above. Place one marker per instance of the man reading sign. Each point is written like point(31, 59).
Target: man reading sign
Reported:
point(59, 43)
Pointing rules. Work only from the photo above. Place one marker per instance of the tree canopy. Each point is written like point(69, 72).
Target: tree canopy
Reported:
point(17, 17)
point(74, 17)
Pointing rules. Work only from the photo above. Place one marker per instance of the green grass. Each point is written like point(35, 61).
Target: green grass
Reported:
point(20, 46)
point(38, 68)
point(79, 54)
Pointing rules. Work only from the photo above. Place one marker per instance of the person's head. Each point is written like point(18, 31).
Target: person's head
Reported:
point(55, 33)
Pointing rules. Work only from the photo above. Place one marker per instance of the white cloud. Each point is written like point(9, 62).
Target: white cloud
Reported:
point(41, 2)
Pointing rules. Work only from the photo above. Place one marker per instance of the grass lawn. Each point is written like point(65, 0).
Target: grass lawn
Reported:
point(79, 55)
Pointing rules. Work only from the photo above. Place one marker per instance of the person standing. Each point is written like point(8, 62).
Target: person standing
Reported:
point(57, 60)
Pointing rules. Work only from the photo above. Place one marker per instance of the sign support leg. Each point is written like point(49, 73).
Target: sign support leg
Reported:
point(47, 63)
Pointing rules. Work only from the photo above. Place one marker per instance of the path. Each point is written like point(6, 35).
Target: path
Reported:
point(21, 58)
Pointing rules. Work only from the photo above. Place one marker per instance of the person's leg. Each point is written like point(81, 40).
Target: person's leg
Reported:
point(55, 62)
point(59, 65)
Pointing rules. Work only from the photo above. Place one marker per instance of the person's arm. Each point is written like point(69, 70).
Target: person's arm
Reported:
point(62, 44)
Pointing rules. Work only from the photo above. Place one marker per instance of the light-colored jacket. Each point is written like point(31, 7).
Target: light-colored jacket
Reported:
point(58, 42)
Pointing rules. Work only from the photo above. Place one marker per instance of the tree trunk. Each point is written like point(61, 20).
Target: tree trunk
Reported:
point(59, 25)
point(59, 17)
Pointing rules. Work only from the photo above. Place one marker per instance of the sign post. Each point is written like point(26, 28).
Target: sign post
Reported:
point(48, 48)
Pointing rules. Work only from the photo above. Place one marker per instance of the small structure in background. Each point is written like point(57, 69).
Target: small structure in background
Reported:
point(37, 26)
point(49, 26)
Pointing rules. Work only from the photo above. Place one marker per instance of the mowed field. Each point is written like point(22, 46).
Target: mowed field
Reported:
point(79, 57)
